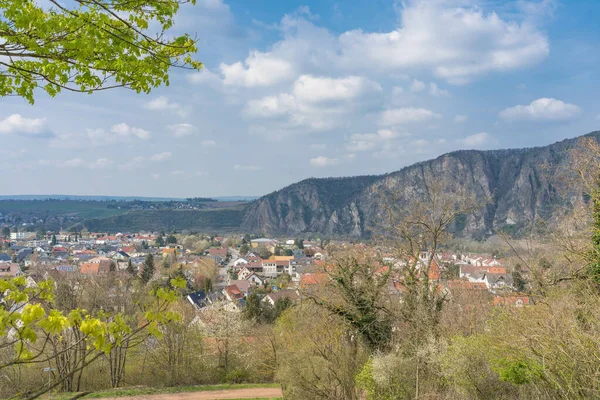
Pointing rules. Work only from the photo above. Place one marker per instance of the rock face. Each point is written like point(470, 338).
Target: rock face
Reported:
point(515, 187)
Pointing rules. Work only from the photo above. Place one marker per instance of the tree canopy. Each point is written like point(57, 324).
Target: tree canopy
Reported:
point(89, 45)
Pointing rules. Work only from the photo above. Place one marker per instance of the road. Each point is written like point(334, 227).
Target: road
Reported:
point(253, 393)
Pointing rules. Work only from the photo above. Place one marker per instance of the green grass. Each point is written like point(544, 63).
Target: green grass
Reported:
point(140, 391)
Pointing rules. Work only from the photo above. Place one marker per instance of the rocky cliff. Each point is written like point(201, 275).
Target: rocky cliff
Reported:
point(515, 187)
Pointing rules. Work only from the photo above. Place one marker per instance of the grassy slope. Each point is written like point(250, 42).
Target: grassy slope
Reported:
point(84, 209)
point(218, 219)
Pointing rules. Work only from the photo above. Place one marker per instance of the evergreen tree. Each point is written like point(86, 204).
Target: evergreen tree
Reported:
point(112, 267)
point(171, 239)
point(130, 268)
point(53, 241)
point(6, 231)
point(244, 249)
point(207, 285)
point(148, 269)
point(160, 242)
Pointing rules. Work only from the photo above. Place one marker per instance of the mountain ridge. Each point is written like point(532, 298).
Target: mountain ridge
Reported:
point(521, 184)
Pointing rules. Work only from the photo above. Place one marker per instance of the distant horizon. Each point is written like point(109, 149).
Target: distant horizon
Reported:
point(55, 196)
point(59, 196)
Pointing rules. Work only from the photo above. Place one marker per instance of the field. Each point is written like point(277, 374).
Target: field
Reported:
point(72, 208)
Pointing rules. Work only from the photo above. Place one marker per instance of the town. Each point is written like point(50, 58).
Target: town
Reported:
point(237, 265)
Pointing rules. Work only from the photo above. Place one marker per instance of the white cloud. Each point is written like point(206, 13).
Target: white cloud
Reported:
point(543, 109)
point(126, 131)
point(119, 133)
point(453, 40)
point(162, 103)
point(369, 141)
point(360, 145)
point(460, 118)
point(318, 146)
point(417, 86)
point(140, 161)
point(78, 163)
point(165, 155)
point(16, 124)
point(383, 143)
point(208, 143)
point(399, 116)
point(181, 130)
point(259, 69)
point(323, 161)
point(435, 91)
point(317, 103)
point(477, 141)
point(238, 167)
point(311, 89)
point(455, 43)
point(205, 77)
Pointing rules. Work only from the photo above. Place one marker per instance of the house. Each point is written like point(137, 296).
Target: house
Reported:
point(5, 258)
point(244, 285)
point(21, 235)
point(217, 254)
point(23, 254)
point(256, 280)
point(313, 279)
point(491, 280)
point(9, 270)
point(272, 297)
point(277, 265)
point(121, 256)
point(66, 268)
point(200, 299)
point(244, 273)
point(233, 293)
point(95, 266)
point(269, 244)
point(468, 270)
point(269, 268)
point(91, 268)
point(240, 262)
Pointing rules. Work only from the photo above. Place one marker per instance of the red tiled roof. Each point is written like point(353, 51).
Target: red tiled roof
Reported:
point(313, 279)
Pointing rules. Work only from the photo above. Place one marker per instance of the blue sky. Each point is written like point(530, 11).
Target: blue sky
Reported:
point(297, 89)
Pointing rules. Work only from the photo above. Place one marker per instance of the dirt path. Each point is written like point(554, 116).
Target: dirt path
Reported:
point(212, 395)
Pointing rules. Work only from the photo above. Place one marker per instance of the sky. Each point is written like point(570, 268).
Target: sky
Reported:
point(316, 88)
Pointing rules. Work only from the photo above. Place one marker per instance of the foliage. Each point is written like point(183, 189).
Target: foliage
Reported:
point(89, 46)
point(34, 331)
point(262, 311)
point(318, 357)
point(356, 294)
